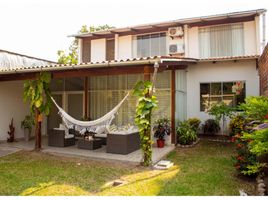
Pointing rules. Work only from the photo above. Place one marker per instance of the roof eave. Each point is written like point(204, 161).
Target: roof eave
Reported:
point(173, 22)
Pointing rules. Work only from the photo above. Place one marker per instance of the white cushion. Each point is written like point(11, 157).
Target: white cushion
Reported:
point(100, 129)
point(68, 136)
point(102, 135)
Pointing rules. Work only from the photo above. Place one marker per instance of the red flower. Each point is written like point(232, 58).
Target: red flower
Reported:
point(240, 158)
point(237, 166)
point(266, 117)
point(239, 145)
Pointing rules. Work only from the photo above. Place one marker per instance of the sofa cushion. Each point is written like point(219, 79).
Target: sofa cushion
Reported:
point(68, 136)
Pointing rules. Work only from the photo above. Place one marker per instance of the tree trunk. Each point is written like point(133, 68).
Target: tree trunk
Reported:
point(37, 130)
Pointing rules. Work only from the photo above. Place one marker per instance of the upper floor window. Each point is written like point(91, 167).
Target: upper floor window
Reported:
point(149, 45)
point(224, 40)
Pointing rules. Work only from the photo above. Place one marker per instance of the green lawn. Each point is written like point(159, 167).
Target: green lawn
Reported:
point(202, 170)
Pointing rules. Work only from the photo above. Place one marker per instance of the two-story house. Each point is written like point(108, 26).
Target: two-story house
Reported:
point(222, 51)
point(201, 60)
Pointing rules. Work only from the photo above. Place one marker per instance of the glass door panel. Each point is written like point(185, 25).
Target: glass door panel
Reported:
point(75, 105)
point(54, 119)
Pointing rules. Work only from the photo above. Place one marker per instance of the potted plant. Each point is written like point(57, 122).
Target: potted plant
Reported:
point(162, 128)
point(27, 125)
point(187, 132)
point(211, 127)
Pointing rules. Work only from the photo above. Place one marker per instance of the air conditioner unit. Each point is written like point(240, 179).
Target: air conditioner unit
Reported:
point(175, 32)
point(176, 48)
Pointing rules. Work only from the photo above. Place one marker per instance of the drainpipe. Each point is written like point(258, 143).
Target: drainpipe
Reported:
point(263, 31)
point(257, 31)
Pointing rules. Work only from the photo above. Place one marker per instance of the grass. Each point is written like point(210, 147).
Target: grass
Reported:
point(202, 170)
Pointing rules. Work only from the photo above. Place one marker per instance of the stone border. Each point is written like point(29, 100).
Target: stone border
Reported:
point(220, 140)
point(260, 186)
point(190, 145)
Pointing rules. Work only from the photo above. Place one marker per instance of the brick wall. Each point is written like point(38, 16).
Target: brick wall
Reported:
point(263, 71)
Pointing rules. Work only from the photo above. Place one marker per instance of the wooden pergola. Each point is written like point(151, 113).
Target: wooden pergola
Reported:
point(86, 70)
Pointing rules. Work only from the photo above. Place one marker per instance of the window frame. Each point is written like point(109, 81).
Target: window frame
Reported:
point(222, 94)
point(221, 25)
point(134, 37)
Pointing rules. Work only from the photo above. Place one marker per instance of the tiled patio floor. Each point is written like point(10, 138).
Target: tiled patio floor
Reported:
point(99, 154)
point(5, 150)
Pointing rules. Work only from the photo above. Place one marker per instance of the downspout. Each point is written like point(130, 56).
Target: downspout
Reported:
point(263, 31)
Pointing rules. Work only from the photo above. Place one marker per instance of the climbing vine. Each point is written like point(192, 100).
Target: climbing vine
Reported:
point(37, 93)
point(146, 103)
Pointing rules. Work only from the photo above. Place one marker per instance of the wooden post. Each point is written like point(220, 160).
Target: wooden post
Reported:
point(38, 119)
point(86, 97)
point(173, 107)
point(146, 73)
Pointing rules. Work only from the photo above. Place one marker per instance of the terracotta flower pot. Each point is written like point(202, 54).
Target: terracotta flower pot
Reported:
point(160, 143)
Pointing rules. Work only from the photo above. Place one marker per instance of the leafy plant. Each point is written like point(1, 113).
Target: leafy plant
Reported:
point(37, 92)
point(255, 108)
point(211, 126)
point(253, 169)
point(245, 160)
point(186, 133)
point(194, 123)
point(28, 123)
point(237, 124)
point(162, 128)
point(258, 140)
point(146, 103)
point(220, 110)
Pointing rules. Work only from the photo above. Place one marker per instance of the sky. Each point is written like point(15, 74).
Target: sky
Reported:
point(41, 27)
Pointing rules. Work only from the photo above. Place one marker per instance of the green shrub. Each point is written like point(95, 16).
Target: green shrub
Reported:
point(245, 162)
point(237, 124)
point(211, 126)
point(194, 123)
point(186, 133)
point(255, 108)
point(258, 140)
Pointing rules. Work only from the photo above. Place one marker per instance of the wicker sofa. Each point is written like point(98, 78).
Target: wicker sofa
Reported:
point(122, 143)
point(58, 138)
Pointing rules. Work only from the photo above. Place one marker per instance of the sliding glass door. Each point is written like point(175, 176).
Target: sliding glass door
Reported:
point(54, 119)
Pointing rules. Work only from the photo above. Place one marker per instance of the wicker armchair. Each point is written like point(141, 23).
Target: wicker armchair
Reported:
point(57, 138)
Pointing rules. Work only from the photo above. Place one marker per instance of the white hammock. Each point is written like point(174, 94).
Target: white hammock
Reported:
point(91, 126)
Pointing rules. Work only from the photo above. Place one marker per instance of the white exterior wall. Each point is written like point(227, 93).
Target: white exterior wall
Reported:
point(98, 50)
point(12, 106)
point(124, 47)
point(193, 46)
point(218, 72)
point(250, 38)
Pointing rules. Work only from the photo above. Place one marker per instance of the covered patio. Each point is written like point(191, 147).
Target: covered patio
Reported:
point(89, 90)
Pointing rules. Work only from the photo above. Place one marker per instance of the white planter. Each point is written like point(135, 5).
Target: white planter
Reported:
point(27, 135)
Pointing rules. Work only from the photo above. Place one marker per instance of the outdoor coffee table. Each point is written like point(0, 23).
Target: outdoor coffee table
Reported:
point(89, 144)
